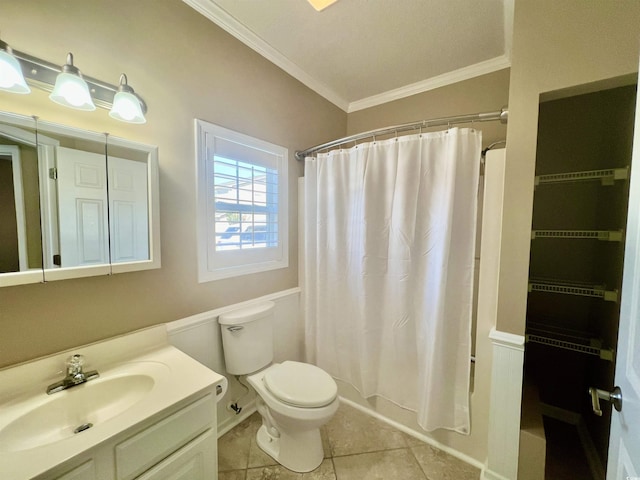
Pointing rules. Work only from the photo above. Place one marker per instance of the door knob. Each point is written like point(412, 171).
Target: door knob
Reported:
point(615, 397)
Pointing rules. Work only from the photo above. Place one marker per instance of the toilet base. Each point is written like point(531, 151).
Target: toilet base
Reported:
point(301, 452)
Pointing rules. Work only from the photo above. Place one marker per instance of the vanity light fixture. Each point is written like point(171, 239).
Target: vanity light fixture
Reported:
point(126, 106)
point(68, 86)
point(11, 77)
point(70, 89)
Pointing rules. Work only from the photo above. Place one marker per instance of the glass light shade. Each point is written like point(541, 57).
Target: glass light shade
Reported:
point(72, 91)
point(320, 5)
point(11, 78)
point(126, 107)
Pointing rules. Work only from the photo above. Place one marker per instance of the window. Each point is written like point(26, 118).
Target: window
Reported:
point(242, 203)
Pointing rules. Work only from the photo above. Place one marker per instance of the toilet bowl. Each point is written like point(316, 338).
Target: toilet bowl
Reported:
point(294, 399)
point(290, 432)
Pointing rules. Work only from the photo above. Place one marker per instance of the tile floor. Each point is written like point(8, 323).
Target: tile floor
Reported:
point(357, 447)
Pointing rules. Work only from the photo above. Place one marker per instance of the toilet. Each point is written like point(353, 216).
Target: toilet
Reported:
point(294, 399)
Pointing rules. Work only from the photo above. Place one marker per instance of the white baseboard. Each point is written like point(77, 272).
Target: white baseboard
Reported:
point(560, 414)
point(409, 431)
point(489, 475)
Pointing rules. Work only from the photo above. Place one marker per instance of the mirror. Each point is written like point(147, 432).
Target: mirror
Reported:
point(20, 234)
point(97, 200)
point(134, 205)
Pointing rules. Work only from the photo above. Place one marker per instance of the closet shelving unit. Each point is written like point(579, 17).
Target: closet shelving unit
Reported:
point(603, 235)
point(572, 288)
point(556, 336)
point(568, 340)
point(607, 176)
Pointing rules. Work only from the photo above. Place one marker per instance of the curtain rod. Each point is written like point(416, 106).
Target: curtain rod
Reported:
point(501, 115)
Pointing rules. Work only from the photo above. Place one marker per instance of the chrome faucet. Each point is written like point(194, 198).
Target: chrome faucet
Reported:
point(75, 375)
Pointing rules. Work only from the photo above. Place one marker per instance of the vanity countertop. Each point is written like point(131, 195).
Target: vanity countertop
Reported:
point(152, 375)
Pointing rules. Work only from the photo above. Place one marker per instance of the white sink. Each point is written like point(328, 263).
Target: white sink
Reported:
point(141, 376)
point(78, 408)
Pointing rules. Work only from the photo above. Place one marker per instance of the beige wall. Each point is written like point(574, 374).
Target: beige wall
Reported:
point(556, 45)
point(486, 93)
point(185, 67)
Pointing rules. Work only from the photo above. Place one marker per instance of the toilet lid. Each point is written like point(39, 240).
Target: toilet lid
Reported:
point(301, 384)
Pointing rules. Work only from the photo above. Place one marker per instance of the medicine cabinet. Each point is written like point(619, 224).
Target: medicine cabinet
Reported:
point(74, 203)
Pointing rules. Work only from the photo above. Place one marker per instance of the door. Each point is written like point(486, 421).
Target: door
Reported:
point(128, 212)
point(13, 228)
point(624, 443)
point(82, 205)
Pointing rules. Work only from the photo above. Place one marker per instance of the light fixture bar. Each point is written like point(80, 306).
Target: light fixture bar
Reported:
point(42, 74)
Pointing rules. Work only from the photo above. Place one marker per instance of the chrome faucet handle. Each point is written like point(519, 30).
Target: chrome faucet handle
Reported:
point(74, 364)
point(75, 375)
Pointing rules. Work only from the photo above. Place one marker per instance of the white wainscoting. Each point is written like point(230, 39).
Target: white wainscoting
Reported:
point(504, 410)
point(199, 337)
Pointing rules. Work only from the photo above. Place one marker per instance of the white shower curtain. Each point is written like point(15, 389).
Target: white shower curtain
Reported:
point(389, 244)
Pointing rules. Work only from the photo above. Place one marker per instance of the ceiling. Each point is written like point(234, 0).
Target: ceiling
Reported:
point(362, 53)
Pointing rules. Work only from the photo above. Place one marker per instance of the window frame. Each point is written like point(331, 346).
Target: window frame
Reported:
point(216, 264)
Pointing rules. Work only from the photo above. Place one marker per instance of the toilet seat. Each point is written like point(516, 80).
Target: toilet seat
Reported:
point(300, 384)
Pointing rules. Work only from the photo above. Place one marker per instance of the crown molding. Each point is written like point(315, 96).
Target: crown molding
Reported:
point(228, 23)
point(465, 73)
point(220, 17)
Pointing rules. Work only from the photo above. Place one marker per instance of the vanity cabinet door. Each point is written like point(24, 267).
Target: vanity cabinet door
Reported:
point(86, 471)
point(198, 460)
point(150, 446)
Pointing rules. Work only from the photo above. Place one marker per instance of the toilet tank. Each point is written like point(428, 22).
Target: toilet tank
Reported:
point(247, 338)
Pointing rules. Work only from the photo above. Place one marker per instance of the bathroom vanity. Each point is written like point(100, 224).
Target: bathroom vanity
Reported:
point(150, 414)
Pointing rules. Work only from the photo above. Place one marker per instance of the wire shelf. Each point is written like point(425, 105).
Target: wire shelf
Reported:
point(606, 177)
point(573, 288)
point(594, 348)
point(603, 235)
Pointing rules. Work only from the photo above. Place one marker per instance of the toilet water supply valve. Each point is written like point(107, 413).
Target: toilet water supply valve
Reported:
point(233, 405)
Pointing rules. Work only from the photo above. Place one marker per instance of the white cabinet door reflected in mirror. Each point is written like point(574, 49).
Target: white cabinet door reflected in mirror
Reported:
point(85, 209)
point(128, 193)
point(82, 208)
point(96, 203)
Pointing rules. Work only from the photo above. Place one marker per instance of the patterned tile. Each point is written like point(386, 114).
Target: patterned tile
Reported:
point(233, 475)
point(397, 464)
point(438, 465)
point(357, 447)
point(257, 457)
point(234, 446)
point(351, 431)
point(323, 472)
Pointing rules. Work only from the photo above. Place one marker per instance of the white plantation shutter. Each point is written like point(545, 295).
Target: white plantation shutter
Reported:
point(242, 203)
